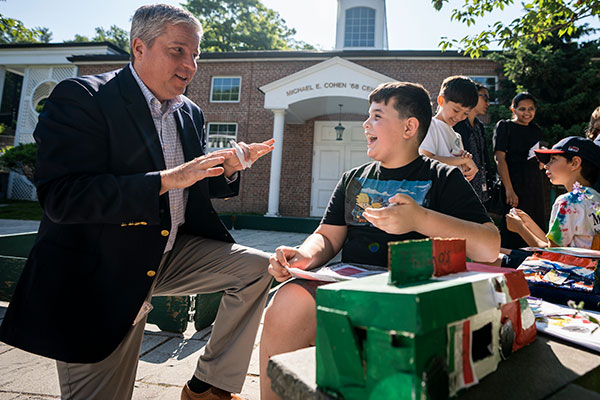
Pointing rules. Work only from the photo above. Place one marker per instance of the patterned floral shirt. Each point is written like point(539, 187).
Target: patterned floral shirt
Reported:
point(575, 218)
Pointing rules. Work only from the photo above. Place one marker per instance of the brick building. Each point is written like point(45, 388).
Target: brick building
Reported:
point(300, 97)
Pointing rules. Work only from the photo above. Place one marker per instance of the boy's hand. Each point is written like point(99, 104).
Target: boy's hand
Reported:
point(463, 154)
point(514, 223)
point(527, 221)
point(283, 257)
point(401, 216)
point(469, 169)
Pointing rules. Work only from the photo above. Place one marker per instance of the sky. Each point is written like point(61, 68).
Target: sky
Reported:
point(412, 24)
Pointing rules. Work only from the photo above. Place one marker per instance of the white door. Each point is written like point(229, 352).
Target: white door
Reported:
point(332, 157)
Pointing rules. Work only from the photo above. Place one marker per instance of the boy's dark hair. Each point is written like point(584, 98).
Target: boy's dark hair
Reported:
point(461, 90)
point(589, 171)
point(522, 96)
point(480, 86)
point(412, 100)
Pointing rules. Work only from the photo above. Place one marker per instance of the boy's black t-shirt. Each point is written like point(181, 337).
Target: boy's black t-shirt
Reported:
point(432, 184)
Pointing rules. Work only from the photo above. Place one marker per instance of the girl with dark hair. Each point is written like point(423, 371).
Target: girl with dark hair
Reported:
point(514, 143)
point(593, 129)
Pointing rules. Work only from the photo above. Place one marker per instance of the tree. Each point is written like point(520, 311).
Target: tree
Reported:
point(14, 31)
point(563, 76)
point(45, 35)
point(237, 25)
point(114, 35)
point(78, 39)
point(541, 19)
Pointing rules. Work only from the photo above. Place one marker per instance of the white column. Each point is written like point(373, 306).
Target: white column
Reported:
point(276, 158)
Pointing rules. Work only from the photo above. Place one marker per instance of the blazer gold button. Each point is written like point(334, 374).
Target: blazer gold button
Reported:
point(151, 273)
point(164, 232)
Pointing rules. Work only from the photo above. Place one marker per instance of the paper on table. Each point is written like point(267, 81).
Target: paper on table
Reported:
point(561, 321)
point(572, 251)
point(334, 273)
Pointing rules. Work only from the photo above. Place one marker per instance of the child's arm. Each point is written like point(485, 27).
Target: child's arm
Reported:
point(468, 167)
point(511, 197)
point(528, 230)
point(405, 215)
point(450, 160)
point(317, 249)
point(530, 224)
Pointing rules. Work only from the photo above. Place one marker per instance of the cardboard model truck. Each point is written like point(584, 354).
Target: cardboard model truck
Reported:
point(429, 327)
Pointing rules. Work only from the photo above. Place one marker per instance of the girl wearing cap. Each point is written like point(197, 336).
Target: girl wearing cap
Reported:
point(514, 142)
point(575, 219)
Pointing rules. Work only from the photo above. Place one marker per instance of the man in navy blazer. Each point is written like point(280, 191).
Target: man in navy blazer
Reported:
point(125, 186)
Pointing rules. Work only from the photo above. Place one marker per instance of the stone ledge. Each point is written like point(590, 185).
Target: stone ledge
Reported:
point(547, 368)
point(293, 375)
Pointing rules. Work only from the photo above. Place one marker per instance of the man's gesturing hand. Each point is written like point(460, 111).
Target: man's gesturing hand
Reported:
point(187, 174)
point(252, 152)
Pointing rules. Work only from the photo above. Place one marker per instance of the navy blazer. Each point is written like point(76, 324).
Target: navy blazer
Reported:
point(103, 230)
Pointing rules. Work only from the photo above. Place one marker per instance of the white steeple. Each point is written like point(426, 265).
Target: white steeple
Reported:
point(361, 25)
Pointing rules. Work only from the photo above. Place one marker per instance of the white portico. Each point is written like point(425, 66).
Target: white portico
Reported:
point(41, 66)
point(317, 91)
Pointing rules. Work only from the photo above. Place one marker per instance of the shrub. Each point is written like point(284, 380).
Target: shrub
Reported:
point(20, 159)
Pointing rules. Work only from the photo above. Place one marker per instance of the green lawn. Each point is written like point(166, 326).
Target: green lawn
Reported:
point(20, 209)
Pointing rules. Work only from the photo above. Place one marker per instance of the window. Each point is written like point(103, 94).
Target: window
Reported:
point(360, 27)
point(219, 135)
point(481, 344)
point(225, 89)
point(491, 82)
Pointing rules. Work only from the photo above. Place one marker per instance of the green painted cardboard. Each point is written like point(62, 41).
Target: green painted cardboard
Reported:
point(170, 313)
point(409, 264)
point(382, 337)
point(416, 309)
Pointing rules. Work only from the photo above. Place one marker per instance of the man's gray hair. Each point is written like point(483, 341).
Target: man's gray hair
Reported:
point(150, 21)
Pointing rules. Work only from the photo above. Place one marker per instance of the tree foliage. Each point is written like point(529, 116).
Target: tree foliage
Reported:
point(14, 31)
point(114, 35)
point(541, 19)
point(20, 159)
point(563, 76)
point(237, 25)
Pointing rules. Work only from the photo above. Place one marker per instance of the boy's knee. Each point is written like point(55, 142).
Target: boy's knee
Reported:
point(290, 306)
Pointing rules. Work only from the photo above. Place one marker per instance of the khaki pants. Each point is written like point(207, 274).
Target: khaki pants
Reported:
point(195, 265)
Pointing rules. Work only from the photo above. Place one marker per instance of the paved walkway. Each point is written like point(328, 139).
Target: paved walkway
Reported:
point(167, 360)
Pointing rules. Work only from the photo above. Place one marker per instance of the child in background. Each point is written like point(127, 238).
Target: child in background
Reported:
point(574, 163)
point(458, 95)
point(514, 143)
point(473, 136)
point(593, 129)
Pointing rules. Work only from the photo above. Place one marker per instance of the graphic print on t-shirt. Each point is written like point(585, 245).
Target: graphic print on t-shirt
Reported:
point(374, 193)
